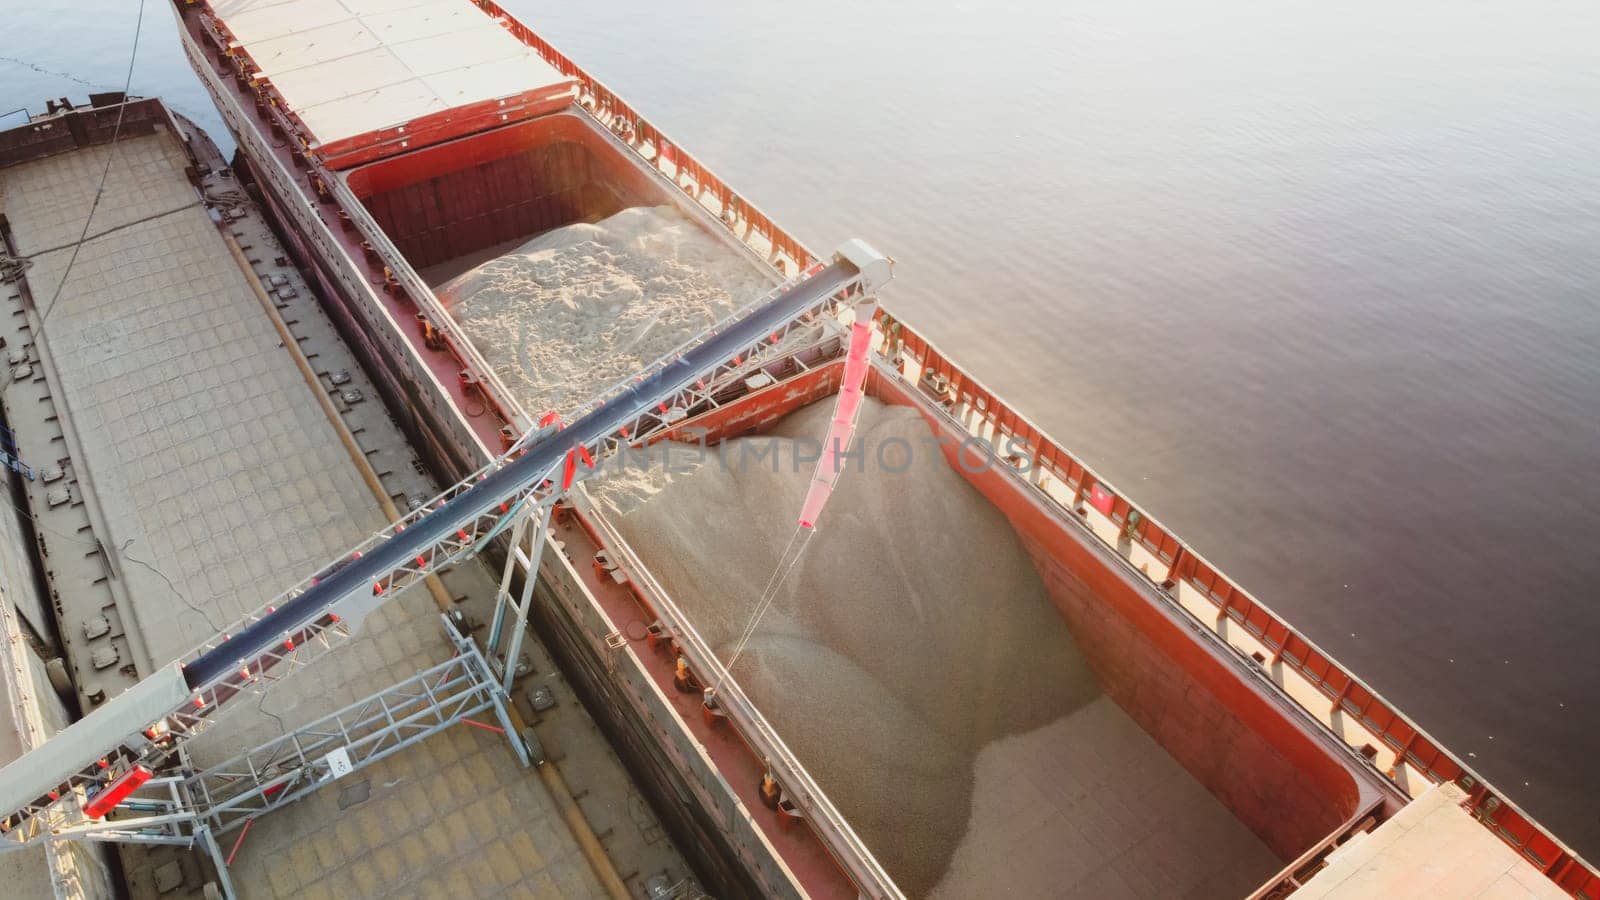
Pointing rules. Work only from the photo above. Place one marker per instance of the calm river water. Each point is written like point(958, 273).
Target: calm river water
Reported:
point(1318, 284)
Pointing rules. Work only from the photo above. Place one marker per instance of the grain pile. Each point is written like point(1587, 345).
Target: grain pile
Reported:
point(1091, 806)
point(913, 632)
point(577, 309)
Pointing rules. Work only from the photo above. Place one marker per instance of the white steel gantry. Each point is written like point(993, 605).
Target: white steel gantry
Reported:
point(123, 772)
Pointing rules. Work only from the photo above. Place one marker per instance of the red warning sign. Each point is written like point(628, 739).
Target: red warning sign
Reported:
point(1101, 499)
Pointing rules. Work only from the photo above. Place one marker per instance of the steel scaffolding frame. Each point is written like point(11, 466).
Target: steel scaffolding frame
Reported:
point(197, 806)
point(528, 557)
point(290, 767)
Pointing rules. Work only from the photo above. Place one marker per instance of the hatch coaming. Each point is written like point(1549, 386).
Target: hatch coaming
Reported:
point(1244, 740)
point(430, 206)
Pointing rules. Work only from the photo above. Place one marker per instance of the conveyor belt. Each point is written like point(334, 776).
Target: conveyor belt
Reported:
point(73, 755)
point(514, 480)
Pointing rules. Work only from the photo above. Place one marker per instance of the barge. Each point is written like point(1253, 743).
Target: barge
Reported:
point(395, 142)
point(389, 142)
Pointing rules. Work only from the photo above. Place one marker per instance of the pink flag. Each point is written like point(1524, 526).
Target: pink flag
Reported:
point(843, 426)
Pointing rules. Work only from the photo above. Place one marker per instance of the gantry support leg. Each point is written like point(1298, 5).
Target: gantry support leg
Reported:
point(220, 862)
point(505, 646)
point(491, 646)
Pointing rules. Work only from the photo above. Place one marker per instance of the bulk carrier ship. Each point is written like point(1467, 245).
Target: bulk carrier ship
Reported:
point(397, 145)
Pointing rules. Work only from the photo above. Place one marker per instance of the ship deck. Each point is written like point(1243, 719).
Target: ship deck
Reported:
point(348, 68)
point(1432, 848)
point(202, 478)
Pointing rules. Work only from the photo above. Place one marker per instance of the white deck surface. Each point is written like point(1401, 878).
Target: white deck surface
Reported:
point(347, 67)
point(218, 475)
point(1432, 848)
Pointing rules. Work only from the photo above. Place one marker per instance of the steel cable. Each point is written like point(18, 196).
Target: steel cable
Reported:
point(111, 154)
